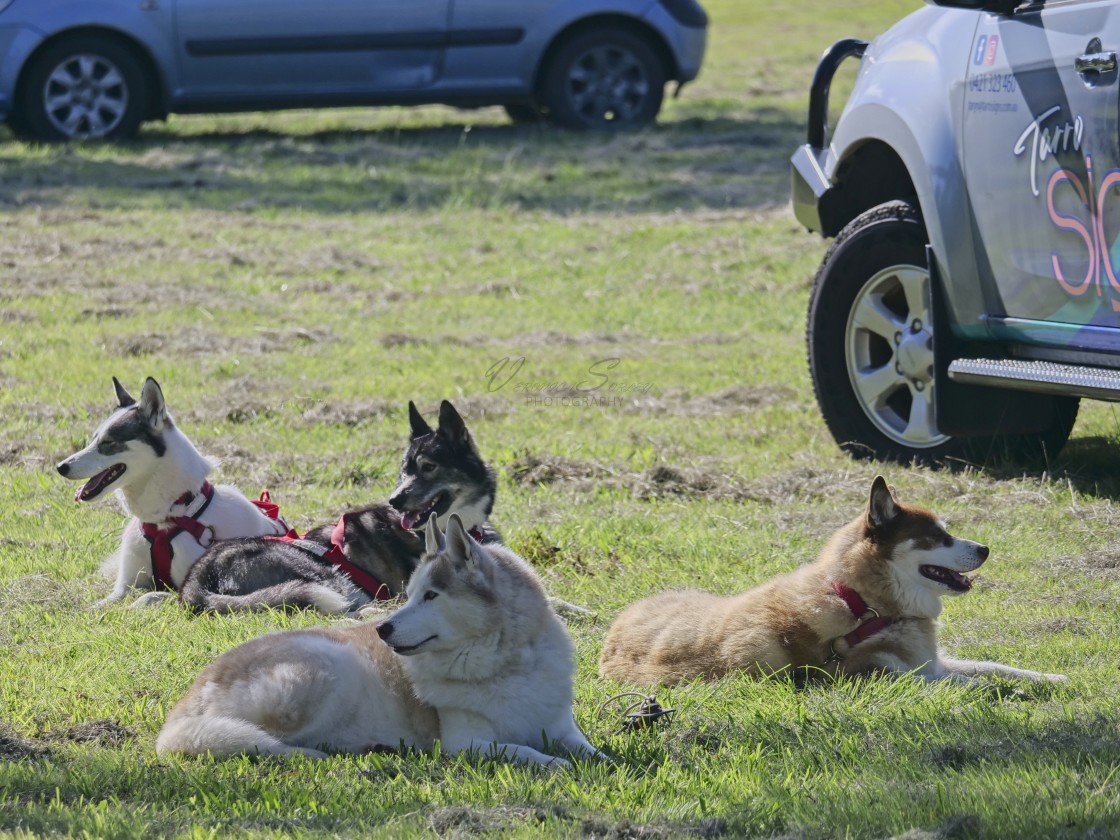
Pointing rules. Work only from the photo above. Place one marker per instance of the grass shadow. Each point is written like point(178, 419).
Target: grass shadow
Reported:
point(698, 163)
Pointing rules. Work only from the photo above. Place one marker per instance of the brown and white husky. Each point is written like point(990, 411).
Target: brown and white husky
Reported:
point(867, 604)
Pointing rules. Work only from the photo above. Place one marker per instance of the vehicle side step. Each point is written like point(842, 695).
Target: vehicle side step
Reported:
point(1096, 383)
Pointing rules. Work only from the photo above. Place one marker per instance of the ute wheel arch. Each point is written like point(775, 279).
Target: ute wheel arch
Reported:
point(650, 35)
point(872, 175)
point(156, 106)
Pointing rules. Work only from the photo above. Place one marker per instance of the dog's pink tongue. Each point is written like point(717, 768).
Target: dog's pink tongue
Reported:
point(88, 490)
point(408, 521)
point(92, 488)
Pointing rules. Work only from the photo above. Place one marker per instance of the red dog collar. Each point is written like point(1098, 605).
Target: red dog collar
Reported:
point(858, 608)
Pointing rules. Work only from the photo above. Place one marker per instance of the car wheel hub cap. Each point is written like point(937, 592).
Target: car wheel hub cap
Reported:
point(85, 96)
point(889, 356)
point(915, 357)
point(607, 83)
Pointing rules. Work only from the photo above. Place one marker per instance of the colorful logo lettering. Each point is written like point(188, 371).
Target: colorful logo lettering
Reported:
point(1091, 232)
point(993, 45)
point(981, 48)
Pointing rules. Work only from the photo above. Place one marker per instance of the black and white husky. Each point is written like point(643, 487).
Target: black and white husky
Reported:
point(162, 480)
point(369, 554)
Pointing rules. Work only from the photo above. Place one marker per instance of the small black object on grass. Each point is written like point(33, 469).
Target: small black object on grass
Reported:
point(642, 714)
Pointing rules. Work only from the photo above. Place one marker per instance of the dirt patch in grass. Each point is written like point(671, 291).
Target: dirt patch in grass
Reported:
point(739, 399)
point(960, 826)
point(103, 732)
point(198, 341)
point(1100, 563)
point(15, 746)
point(599, 829)
point(16, 454)
point(461, 821)
point(39, 589)
point(532, 470)
point(347, 412)
point(659, 481)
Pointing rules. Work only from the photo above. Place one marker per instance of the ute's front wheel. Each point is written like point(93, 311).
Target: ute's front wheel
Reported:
point(871, 340)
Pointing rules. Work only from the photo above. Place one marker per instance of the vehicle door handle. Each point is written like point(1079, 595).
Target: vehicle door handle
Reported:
point(1098, 62)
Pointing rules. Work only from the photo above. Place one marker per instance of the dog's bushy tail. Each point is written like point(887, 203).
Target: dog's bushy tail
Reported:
point(292, 594)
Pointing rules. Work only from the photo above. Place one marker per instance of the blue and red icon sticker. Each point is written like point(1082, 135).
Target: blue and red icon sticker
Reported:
point(986, 48)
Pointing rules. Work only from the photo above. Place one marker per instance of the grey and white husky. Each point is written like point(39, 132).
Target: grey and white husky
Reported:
point(162, 480)
point(369, 554)
point(475, 659)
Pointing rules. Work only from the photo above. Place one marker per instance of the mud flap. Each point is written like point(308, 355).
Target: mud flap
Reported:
point(977, 410)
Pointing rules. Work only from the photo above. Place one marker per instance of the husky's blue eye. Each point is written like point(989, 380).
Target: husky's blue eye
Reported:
point(431, 595)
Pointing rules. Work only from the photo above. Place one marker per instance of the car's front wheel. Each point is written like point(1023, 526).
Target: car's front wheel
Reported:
point(85, 87)
point(870, 337)
point(607, 78)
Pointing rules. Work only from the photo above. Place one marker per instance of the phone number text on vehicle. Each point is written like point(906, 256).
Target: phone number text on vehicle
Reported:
point(993, 83)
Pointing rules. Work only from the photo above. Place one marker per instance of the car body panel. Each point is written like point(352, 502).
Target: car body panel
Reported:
point(1001, 124)
point(900, 74)
point(268, 49)
point(1043, 142)
point(27, 24)
point(995, 241)
point(222, 55)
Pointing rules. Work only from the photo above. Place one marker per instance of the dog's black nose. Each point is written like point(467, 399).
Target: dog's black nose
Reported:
point(397, 500)
point(385, 629)
point(63, 468)
point(982, 551)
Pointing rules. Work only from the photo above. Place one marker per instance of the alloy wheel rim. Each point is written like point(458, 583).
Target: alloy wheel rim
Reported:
point(607, 84)
point(85, 96)
point(889, 356)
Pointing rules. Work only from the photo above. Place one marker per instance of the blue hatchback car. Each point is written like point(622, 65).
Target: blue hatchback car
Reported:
point(99, 68)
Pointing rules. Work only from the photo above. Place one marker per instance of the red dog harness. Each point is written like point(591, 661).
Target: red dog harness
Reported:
point(858, 609)
point(336, 556)
point(159, 539)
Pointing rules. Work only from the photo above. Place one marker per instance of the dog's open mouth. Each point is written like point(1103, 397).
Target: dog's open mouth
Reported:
point(99, 483)
point(954, 580)
point(405, 650)
point(414, 519)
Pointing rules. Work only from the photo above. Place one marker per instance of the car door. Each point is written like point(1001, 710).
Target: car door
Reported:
point(1041, 151)
point(286, 50)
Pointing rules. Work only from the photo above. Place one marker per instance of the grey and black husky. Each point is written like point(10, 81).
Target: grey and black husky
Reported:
point(369, 554)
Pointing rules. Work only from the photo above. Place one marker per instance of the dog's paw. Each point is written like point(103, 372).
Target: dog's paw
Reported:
point(150, 599)
point(105, 603)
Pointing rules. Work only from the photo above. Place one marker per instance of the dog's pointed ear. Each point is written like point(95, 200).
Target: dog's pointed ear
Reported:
point(451, 425)
point(460, 545)
point(124, 398)
point(417, 424)
point(152, 405)
point(882, 507)
point(433, 539)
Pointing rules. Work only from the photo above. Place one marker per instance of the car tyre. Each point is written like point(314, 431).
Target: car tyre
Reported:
point(85, 87)
point(870, 342)
point(602, 79)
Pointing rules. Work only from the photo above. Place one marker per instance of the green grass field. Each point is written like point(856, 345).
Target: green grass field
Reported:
point(293, 280)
